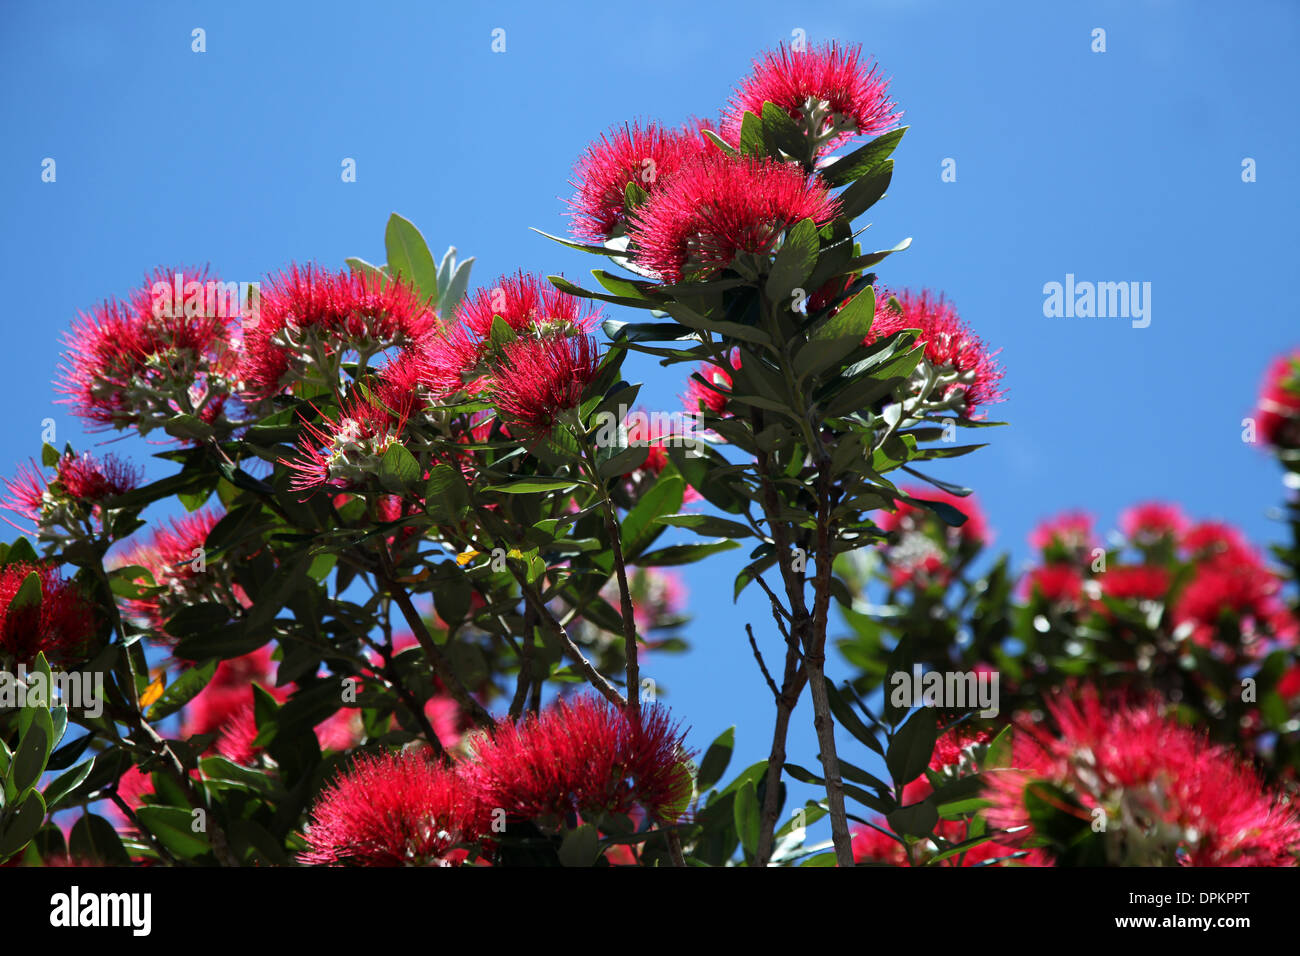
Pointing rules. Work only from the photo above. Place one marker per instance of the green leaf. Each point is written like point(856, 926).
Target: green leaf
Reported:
point(398, 469)
point(795, 260)
point(94, 839)
point(580, 846)
point(916, 820)
point(49, 455)
point(780, 132)
point(580, 246)
point(718, 141)
point(864, 193)
point(66, 782)
point(410, 258)
point(446, 496)
point(174, 828)
point(833, 340)
point(360, 265)
point(716, 759)
point(747, 817)
point(182, 690)
point(684, 553)
point(23, 825)
point(707, 525)
point(751, 136)
point(188, 428)
point(452, 292)
point(863, 159)
point(640, 528)
point(28, 595)
point(527, 486)
point(29, 760)
point(910, 751)
point(850, 721)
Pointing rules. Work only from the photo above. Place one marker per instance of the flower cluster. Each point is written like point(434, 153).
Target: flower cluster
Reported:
point(958, 369)
point(1168, 795)
point(579, 758)
point(631, 159)
point(51, 616)
point(311, 318)
point(68, 508)
point(953, 758)
point(924, 551)
point(718, 207)
point(1227, 600)
point(140, 363)
point(827, 89)
point(174, 556)
point(1278, 415)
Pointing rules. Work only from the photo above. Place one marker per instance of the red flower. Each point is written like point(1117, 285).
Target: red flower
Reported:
point(923, 547)
point(970, 376)
point(140, 363)
point(952, 758)
point(77, 480)
point(1151, 522)
point(60, 627)
point(717, 207)
point(308, 311)
point(874, 846)
point(629, 154)
point(229, 691)
point(1069, 533)
point(460, 359)
point(712, 399)
point(1233, 585)
point(1142, 582)
point(538, 379)
point(583, 756)
point(238, 734)
point(1279, 403)
point(346, 452)
point(1054, 583)
point(1168, 793)
point(826, 89)
point(392, 810)
point(1210, 539)
point(169, 556)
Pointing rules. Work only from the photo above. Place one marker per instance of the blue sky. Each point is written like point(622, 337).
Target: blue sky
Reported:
point(1116, 166)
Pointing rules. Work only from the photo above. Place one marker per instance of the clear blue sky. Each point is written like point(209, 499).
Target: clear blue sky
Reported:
point(1115, 166)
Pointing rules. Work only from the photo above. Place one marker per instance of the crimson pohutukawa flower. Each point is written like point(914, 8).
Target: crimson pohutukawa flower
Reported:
point(174, 556)
point(393, 810)
point(584, 757)
point(1279, 403)
point(462, 359)
point(346, 451)
point(923, 549)
point(1152, 522)
point(643, 156)
point(537, 380)
point(968, 377)
point(67, 507)
point(717, 207)
point(61, 626)
point(140, 363)
point(828, 89)
point(311, 318)
point(1169, 795)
